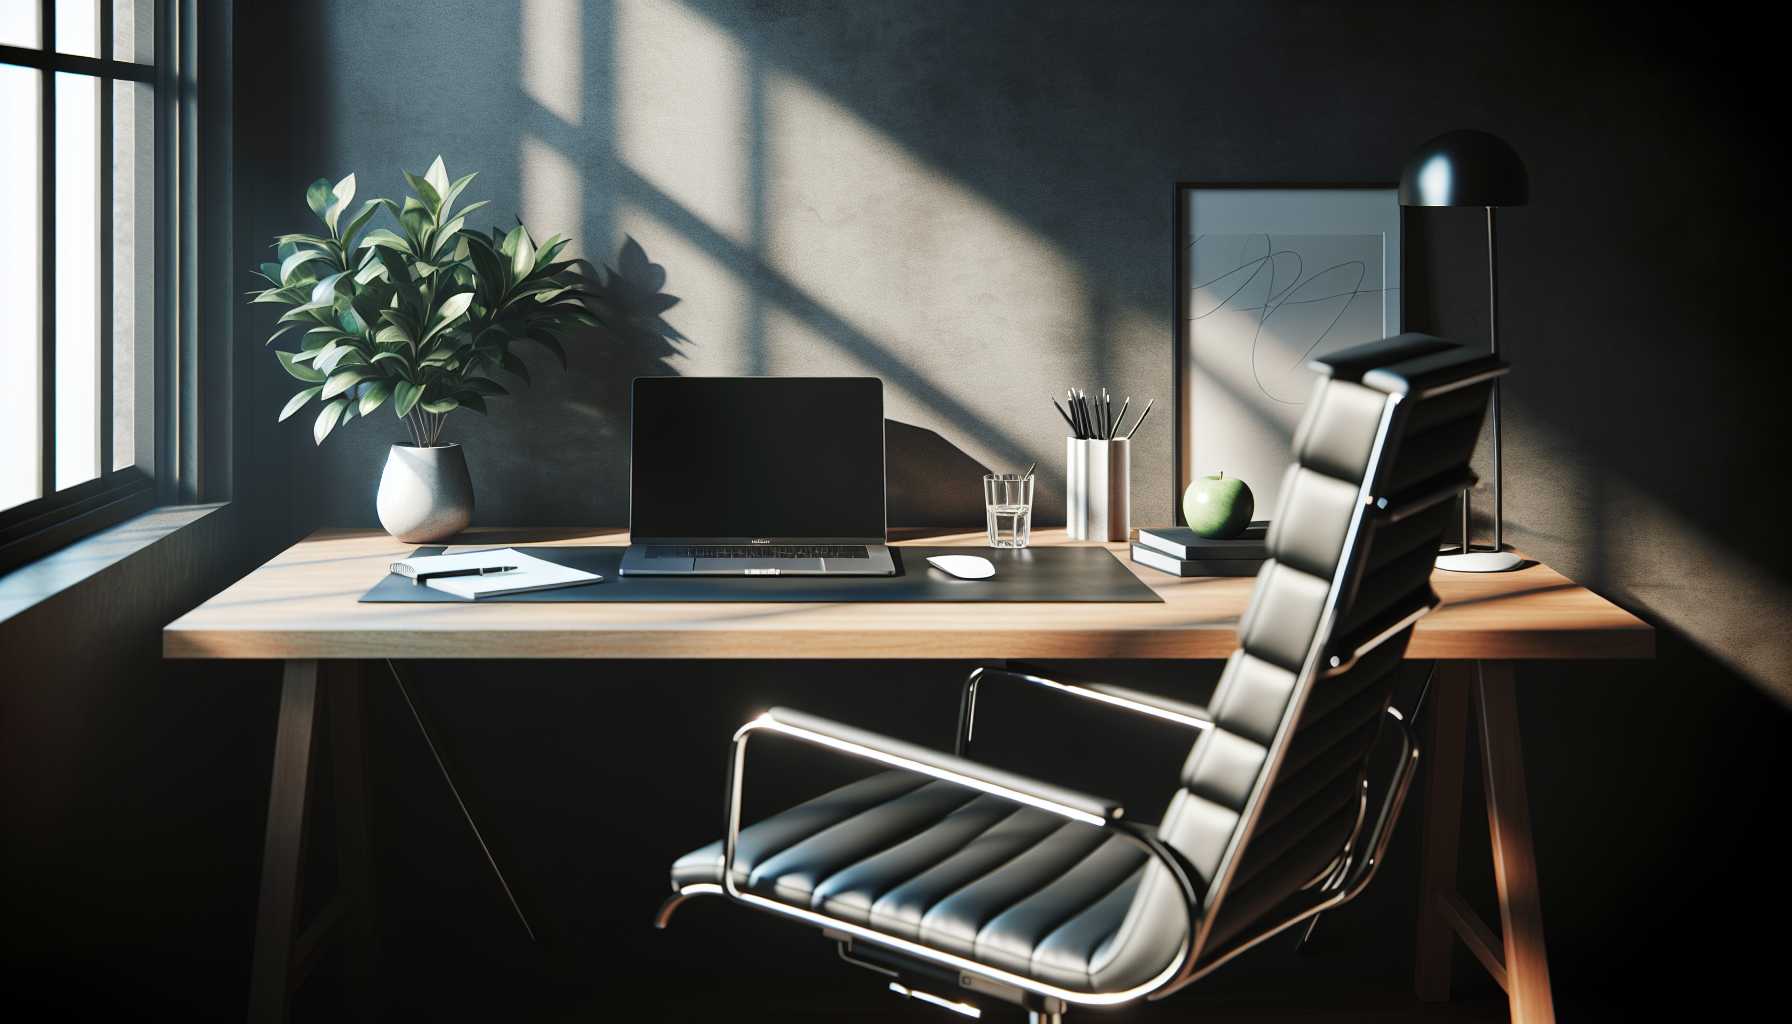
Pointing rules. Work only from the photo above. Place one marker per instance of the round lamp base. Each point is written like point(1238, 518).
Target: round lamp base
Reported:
point(1480, 561)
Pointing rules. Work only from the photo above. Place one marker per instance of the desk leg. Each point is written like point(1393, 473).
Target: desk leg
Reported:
point(354, 847)
point(283, 847)
point(1446, 735)
point(285, 952)
point(1515, 958)
point(1514, 858)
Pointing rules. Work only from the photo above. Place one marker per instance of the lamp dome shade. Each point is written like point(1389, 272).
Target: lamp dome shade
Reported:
point(1465, 168)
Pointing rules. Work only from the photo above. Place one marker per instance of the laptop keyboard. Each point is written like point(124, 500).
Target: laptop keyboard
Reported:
point(758, 551)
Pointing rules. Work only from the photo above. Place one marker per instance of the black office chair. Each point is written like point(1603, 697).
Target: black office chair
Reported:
point(961, 882)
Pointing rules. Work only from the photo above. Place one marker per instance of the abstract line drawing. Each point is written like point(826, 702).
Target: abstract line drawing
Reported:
point(1257, 291)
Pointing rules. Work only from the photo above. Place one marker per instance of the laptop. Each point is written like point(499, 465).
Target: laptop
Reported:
point(757, 476)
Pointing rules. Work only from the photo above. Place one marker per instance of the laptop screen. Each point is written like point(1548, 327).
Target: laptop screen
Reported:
point(749, 457)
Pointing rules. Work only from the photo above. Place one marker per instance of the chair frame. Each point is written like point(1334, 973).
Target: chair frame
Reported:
point(1342, 881)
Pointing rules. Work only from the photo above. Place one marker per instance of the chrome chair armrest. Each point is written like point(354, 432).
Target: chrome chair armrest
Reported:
point(1176, 712)
point(1106, 815)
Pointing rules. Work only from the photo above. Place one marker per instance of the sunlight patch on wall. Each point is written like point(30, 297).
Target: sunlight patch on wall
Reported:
point(681, 111)
point(553, 50)
point(552, 195)
point(936, 276)
point(713, 300)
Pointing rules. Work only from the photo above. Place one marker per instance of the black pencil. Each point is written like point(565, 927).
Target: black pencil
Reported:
point(1147, 412)
point(1122, 417)
point(1066, 416)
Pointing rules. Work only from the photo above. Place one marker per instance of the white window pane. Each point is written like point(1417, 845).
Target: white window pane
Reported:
point(20, 288)
point(18, 23)
point(78, 27)
point(133, 30)
point(133, 264)
point(77, 279)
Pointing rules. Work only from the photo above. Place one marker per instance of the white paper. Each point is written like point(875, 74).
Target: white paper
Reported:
point(531, 573)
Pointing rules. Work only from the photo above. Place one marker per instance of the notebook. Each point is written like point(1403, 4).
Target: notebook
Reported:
point(1182, 543)
point(531, 573)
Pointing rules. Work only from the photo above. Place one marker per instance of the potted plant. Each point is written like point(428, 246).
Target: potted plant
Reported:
point(419, 319)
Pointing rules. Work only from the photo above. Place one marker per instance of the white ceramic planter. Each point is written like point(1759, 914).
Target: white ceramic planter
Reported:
point(426, 494)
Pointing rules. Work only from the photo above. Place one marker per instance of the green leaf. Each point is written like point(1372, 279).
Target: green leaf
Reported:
point(447, 233)
point(373, 271)
point(297, 260)
point(297, 402)
point(488, 269)
point(326, 420)
point(389, 239)
point(359, 221)
point(446, 405)
point(325, 289)
point(522, 254)
point(276, 335)
point(431, 199)
point(437, 176)
point(453, 192)
point(484, 386)
point(391, 334)
point(374, 396)
point(335, 356)
point(340, 196)
point(549, 249)
point(404, 396)
point(317, 196)
point(453, 306)
point(471, 400)
point(298, 370)
point(403, 363)
point(340, 382)
point(295, 240)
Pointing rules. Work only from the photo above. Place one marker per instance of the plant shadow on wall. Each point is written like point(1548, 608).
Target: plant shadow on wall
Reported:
point(422, 318)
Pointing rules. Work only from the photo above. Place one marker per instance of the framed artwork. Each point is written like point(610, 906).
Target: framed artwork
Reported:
point(1267, 278)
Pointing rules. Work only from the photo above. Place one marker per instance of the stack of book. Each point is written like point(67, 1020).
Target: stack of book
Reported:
point(1180, 551)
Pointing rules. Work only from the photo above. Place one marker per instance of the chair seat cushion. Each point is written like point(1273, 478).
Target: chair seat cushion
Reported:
point(961, 872)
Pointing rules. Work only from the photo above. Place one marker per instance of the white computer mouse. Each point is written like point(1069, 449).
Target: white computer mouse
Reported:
point(965, 567)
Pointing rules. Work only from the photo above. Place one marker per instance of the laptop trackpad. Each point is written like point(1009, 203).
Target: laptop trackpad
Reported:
point(758, 566)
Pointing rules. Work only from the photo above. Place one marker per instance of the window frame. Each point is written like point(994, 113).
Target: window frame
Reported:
point(59, 517)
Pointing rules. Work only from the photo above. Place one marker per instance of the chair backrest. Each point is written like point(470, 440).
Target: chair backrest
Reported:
point(1271, 794)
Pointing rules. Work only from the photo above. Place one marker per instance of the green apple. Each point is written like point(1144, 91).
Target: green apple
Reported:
point(1218, 506)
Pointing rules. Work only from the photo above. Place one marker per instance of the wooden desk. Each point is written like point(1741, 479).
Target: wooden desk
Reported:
point(301, 608)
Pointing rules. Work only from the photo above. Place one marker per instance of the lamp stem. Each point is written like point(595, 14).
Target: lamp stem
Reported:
point(1493, 331)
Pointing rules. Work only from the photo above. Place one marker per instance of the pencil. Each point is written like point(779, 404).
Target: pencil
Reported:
point(1147, 412)
point(1066, 416)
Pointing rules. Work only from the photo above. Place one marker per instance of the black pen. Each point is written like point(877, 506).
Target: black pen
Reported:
point(484, 570)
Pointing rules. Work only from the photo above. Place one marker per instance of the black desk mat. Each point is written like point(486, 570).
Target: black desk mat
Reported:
point(1081, 574)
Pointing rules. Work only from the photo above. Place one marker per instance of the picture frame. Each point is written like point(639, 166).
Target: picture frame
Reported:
point(1284, 272)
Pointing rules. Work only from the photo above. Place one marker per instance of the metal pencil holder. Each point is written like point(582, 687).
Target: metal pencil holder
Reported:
point(1098, 488)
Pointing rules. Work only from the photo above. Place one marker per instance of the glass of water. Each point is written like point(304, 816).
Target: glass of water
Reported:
point(1008, 504)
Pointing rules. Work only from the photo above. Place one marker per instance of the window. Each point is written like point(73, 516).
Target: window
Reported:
point(85, 270)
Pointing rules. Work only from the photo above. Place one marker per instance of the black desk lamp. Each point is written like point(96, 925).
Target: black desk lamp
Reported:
point(1470, 168)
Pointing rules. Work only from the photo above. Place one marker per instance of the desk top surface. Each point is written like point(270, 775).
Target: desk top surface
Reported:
point(302, 604)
